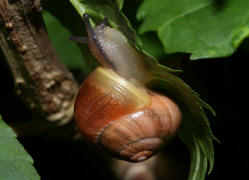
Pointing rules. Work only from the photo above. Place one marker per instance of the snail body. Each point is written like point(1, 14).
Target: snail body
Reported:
point(113, 109)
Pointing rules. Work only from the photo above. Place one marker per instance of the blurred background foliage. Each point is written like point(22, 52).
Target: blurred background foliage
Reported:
point(222, 82)
point(69, 53)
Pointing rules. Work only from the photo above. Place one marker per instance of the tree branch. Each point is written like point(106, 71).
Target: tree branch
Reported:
point(40, 79)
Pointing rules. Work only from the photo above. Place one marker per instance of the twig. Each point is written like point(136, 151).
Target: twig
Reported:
point(40, 79)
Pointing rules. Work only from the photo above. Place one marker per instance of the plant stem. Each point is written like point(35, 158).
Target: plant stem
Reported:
point(41, 80)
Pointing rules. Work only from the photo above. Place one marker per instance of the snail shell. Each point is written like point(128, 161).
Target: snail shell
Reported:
point(113, 109)
point(126, 121)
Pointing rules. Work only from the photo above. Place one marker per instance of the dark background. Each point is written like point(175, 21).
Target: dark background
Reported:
point(222, 83)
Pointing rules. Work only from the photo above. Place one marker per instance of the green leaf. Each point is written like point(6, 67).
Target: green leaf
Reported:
point(15, 162)
point(198, 165)
point(152, 45)
point(68, 52)
point(204, 28)
point(195, 130)
point(120, 4)
point(110, 9)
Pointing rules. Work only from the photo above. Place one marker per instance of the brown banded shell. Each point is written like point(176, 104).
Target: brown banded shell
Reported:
point(128, 122)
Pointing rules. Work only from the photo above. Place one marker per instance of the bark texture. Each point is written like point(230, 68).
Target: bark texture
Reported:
point(40, 79)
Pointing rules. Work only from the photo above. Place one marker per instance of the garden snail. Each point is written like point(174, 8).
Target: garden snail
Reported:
point(113, 109)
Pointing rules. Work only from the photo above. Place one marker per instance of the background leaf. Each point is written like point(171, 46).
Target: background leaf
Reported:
point(68, 52)
point(204, 28)
point(120, 4)
point(152, 45)
point(15, 162)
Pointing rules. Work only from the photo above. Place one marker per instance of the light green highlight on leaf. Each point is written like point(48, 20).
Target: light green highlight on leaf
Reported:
point(15, 162)
point(240, 35)
point(120, 4)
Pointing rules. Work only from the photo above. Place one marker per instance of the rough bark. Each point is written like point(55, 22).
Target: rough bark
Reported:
point(40, 79)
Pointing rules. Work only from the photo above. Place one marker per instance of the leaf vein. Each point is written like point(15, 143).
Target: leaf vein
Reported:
point(185, 14)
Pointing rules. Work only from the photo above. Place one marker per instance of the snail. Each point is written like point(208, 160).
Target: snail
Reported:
point(114, 109)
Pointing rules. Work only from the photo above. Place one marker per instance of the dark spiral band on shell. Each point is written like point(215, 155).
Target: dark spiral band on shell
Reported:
point(137, 150)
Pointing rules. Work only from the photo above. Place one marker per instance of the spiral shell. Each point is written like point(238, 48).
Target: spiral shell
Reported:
point(128, 121)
